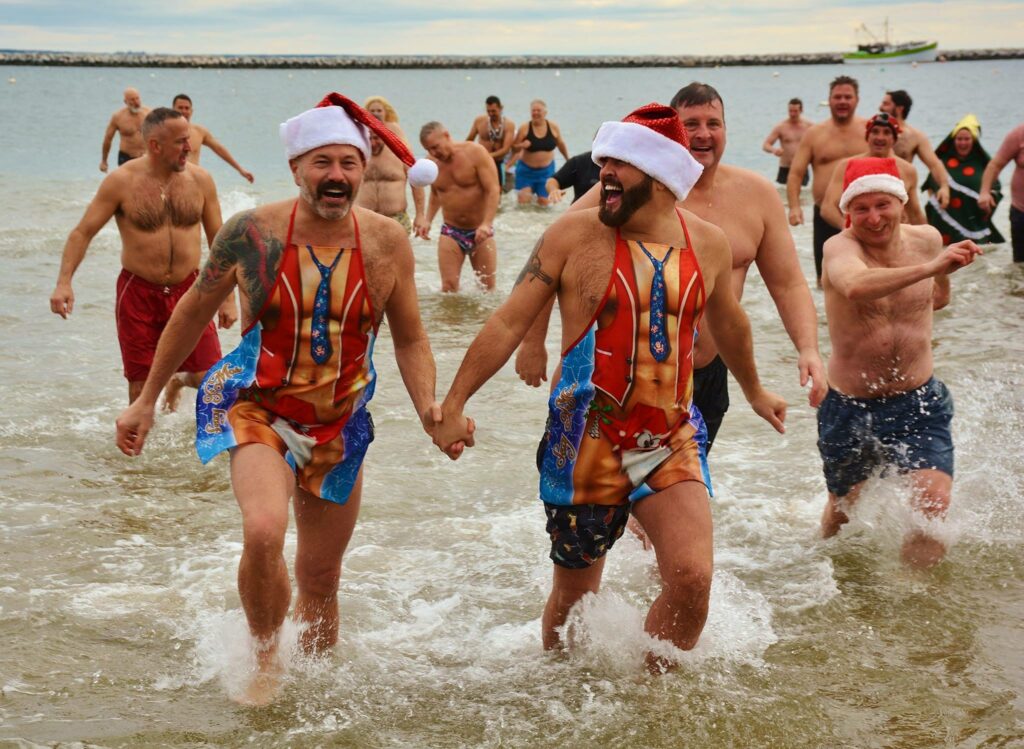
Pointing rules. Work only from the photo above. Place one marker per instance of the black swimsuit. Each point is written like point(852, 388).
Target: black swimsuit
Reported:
point(547, 143)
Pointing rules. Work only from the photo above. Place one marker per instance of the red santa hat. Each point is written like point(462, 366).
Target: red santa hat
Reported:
point(871, 174)
point(883, 119)
point(653, 140)
point(337, 120)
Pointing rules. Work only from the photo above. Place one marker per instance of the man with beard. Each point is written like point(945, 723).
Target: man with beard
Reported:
point(158, 202)
point(494, 131)
point(758, 234)
point(633, 279)
point(912, 142)
point(127, 124)
point(882, 281)
point(822, 146)
point(316, 276)
point(882, 133)
point(467, 193)
point(383, 188)
point(201, 136)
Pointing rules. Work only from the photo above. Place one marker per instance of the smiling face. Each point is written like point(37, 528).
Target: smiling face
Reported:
point(376, 108)
point(874, 217)
point(538, 111)
point(624, 191)
point(328, 178)
point(184, 107)
point(842, 102)
point(963, 142)
point(705, 127)
point(881, 139)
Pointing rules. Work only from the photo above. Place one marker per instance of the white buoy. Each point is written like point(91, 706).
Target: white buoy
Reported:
point(558, 73)
point(12, 79)
point(775, 74)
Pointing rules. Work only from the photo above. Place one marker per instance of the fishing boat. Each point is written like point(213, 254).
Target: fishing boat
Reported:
point(883, 50)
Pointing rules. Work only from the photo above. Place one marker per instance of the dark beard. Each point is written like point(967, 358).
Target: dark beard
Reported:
point(632, 201)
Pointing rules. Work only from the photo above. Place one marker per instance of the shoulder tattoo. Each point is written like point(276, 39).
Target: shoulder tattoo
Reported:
point(533, 269)
point(242, 246)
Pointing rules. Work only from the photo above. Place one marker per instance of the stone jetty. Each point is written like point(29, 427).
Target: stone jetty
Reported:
point(146, 60)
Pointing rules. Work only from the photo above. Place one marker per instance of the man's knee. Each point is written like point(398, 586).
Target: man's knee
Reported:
point(318, 579)
point(263, 534)
point(688, 584)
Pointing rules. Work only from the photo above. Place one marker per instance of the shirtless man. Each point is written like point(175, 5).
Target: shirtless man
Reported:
point(788, 134)
point(158, 203)
point(882, 133)
point(127, 124)
point(912, 142)
point(494, 132)
point(383, 188)
point(757, 234)
point(290, 406)
point(200, 137)
point(882, 280)
point(632, 279)
point(822, 146)
point(466, 192)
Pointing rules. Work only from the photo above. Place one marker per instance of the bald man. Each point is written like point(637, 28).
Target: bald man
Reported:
point(127, 124)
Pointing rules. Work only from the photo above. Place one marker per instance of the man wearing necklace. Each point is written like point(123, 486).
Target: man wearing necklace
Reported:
point(317, 275)
point(159, 202)
point(494, 131)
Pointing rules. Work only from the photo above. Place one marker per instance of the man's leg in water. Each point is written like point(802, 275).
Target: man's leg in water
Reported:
point(180, 380)
point(834, 518)
point(484, 260)
point(678, 523)
point(324, 529)
point(932, 491)
point(449, 261)
point(263, 482)
point(567, 587)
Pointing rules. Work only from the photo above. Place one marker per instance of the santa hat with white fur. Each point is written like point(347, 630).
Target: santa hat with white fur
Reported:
point(653, 140)
point(337, 120)
point(871, 174)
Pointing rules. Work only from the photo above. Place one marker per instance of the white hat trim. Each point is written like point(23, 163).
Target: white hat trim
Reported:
point(873, 183)
point(323, 126)
point(649, 151)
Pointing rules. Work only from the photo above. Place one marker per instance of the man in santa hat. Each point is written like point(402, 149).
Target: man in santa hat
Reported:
point(316, 274)
point(880, 133)
point(882, 279)
point(633, 278)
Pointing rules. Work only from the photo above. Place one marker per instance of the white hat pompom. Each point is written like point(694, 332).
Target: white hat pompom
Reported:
point(422, 173)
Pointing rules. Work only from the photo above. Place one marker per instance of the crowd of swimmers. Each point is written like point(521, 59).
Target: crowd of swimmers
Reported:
point(647, 266)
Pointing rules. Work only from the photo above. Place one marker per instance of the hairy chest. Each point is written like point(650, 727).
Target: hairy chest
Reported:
point(152, 205)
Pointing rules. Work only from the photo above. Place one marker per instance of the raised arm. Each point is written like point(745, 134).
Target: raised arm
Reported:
point(777, 261)
point(97, 214)
point(502, 332)
point(231, 250)
point(797, 170)
point(216, 146)
point(730, 328)
point(474, 129)
point(108, 140)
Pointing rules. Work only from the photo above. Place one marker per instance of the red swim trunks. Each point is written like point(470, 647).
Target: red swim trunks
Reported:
point(142, 311)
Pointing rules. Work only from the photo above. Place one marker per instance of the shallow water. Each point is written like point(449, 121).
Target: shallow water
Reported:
point(118, 608)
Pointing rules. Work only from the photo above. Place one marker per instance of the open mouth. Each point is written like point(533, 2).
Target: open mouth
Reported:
point(611, 195)
point(335, 193)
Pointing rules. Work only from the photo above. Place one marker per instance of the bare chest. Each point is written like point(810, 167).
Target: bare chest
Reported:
point(152, 205)
point(458, 174)
point(834, 145)
point(384, 167)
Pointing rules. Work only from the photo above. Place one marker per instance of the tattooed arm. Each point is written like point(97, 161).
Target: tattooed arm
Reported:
point(233, 249)
point(536, 285)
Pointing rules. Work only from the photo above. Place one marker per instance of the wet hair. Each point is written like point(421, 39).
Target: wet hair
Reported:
point(844, 80)
point(902, 100)
point(186, 97)
point(158, 117)
point(431, 127)
point(697, 95)
point(796, 101)
point(493, 100)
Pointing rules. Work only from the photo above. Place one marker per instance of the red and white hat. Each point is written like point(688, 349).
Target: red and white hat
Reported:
point(871, 174)
point(337, 120)
point(653, 140)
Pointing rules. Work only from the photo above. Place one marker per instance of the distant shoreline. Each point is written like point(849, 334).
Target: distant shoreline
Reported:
point(146, 60)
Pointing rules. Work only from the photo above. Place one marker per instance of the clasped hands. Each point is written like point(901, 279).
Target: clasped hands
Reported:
point(450, 430)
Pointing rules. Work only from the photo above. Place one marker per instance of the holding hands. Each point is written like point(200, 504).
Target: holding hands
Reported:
point(451, 432)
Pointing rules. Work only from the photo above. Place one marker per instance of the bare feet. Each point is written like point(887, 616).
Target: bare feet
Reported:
point(172, 393)
point(921, 551)
point(266, 682)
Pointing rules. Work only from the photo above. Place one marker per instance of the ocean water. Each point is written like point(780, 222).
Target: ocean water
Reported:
point(119, 618)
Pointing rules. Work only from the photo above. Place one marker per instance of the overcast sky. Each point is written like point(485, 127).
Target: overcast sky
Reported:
point(594, 27)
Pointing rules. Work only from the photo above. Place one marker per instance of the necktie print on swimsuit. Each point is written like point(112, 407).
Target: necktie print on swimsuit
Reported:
point(320, 342)
point(658, 336)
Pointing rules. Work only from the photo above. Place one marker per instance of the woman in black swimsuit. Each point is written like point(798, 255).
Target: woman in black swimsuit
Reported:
point(534, 153)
